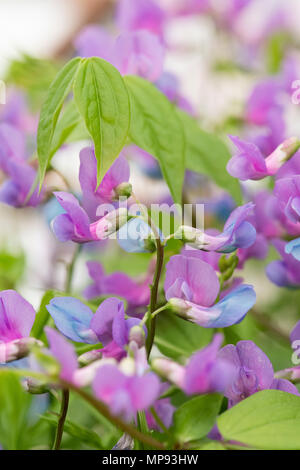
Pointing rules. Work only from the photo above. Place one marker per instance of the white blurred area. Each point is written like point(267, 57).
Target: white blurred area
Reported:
point(37, 27)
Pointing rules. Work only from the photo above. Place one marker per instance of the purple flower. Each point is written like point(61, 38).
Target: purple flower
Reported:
point(135, 292)
point(203, 373)
point(94, 41)
point(133, 15)
point(287, 191)
point(250, 163)
point(16, 319)
point(75, 223)
point(284, 272)
point(124, 393)
point(164, 410)
point(254, 372)
point(263, 100)
point(108, 325)
point(64, 353)
point(192, 286)
point(237, 233)
point(112, 186)
point(21, 176)
point(139, 53)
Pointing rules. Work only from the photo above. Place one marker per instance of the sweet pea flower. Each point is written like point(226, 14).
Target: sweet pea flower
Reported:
point(108, 325)
point(249, 163)
point(135, 15)
point(287, 192)
point(124, 391)
point(237, 233)
point(135, 292)
point(203, 373)
point(164, 410)
point(263, 100)
point(16, 319)
point(192, 287)
point(75, 224)
point(254, 372)
point(284, 272)
point(139, 53)
point(21, 176)
point(115, 183)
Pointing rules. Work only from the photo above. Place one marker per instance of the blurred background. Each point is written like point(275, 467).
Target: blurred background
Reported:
point(217, 59)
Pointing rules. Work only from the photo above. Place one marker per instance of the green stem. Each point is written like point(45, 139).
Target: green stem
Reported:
point(161, 309)
point(154, 288)
point(62, 419)
point(70, 269)
point(119, 423)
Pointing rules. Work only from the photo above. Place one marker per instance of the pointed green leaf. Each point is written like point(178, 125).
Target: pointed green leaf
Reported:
point(206, 153)
point(269, 419)
point(177, 338)
point(58, 91)
point(196, 417)
point(155, 127)
point(103, 101)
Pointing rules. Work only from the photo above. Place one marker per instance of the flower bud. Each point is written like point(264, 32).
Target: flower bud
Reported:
point(282, 154)
point(169, 370)
point(179, 306)
point(109, 224)
point(35, 386)
point(137, 335)
point(127, 366)
point(123, 190)
point(17, 349)
point(89, 357)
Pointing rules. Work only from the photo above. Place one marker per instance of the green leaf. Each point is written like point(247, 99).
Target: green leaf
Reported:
point(206, 153)
point(11, 269)
point(87, 436)
point(196, 417)
point(155, 127)
point(207, 444)
point(32, 75)
point(42, 315)
point(14, 409)
point(58, 91)
point(70, 128)
point(102, 99)
point(177, 338)
point(269, 419)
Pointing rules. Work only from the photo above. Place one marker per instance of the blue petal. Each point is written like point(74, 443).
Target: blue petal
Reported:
point(233, 307)
point(73, 319)
point(293, 248)
point(131, 236)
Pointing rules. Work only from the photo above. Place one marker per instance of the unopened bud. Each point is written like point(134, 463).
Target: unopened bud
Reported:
point(89, 357)
point(137, 335)
point(179, 306)
point(35, 387)
point(169, 370)
point(282, 154)
point(123, 190)
point(17, 349)
point(109, 224)
point(127, 366)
